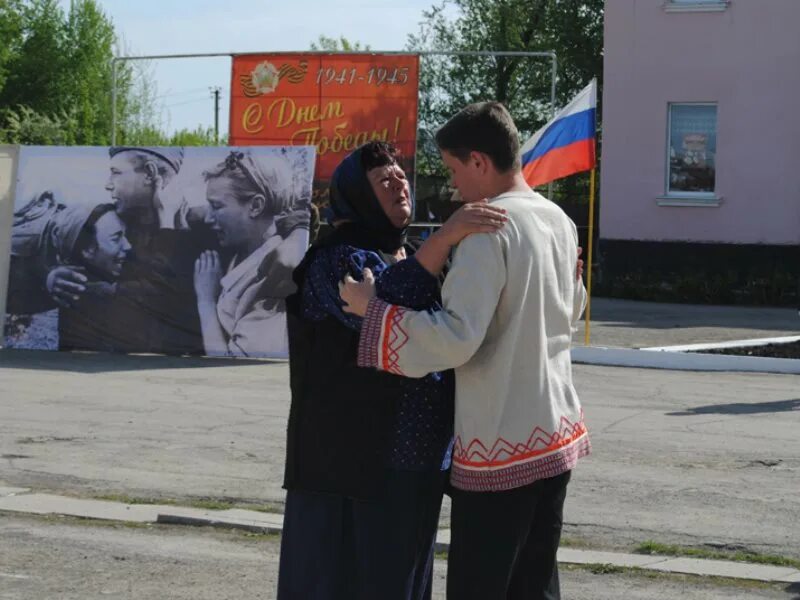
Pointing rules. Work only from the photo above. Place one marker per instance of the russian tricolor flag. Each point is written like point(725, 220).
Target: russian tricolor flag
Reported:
point(566, 145)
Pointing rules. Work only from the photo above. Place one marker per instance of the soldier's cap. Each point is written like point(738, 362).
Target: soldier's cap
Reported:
point(172, 155)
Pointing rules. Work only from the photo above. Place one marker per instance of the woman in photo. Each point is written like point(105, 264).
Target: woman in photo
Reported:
point(92, 239)
point(242, 304)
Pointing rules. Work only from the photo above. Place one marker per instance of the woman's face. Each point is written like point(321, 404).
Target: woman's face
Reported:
point(228, 218)
point(111, 247)
point(391, 188)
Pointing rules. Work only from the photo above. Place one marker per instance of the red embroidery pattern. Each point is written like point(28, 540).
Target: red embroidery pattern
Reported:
point(394, 338)
point(504, 453)
point(369, 340)
point(520, 474)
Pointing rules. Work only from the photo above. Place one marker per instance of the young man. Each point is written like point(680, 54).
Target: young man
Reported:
point(156, 292)
point(154, 295)
point(510, 302)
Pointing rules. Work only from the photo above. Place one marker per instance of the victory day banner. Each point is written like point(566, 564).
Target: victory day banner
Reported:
point(332, 102)
point(157, 250)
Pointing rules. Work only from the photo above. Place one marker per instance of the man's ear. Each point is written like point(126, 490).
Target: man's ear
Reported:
point(151, 171)
point(478, 160)
point(258, 204)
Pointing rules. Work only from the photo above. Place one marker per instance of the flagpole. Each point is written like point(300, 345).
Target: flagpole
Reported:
point(588, 313)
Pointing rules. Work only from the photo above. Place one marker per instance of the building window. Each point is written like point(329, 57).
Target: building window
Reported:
point(692, 149)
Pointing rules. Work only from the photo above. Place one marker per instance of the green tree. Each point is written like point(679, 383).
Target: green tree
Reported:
point(571, 28)
point(55, 75)
point(26, 126)
point(138, 113)
point(10, 36)
point(35, 68)
point(340, 44)
point(90, 41)
point(199, 136)
point(151, 136)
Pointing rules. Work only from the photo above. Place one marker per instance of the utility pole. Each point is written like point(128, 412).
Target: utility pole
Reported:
point(215, 91)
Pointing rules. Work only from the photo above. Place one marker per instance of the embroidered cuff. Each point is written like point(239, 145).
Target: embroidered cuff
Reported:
point(370, 338)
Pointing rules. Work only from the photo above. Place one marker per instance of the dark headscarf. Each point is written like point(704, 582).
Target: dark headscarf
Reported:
point(353, 200)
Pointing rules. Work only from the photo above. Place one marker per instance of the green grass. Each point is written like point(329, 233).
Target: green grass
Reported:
point(648, 547)
point(89, 522)
point(107, 524)
point(202, 503)
point(694, 580)
point(572, 542)
point(603, 568)
point(652, 547)
point(272, 536)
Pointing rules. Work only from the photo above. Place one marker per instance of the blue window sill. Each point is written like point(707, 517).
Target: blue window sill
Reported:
point(710, 6)
point(700, 201)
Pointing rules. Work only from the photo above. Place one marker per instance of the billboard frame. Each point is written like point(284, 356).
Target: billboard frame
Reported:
point(524, 54)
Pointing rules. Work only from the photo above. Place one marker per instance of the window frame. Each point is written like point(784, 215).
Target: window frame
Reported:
point(679, 198)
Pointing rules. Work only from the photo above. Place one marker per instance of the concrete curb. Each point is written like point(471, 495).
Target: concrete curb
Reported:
point(19, 500)
point(259, 523)
point(663, 358)
point(720, 345)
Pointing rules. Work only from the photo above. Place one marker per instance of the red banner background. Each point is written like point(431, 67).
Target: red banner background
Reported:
point(333, 102)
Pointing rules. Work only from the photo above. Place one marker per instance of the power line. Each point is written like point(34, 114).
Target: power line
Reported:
point(186, 102)
point(215, 93)
point(181, 93)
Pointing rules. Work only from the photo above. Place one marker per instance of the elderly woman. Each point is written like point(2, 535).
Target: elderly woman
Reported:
point(242, 308)
point(367, 452)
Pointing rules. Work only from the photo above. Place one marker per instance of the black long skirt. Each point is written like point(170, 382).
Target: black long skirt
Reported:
point(337, 548)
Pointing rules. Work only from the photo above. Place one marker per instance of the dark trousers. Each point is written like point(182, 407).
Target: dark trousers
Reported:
point(337, 548)
point(503, 544)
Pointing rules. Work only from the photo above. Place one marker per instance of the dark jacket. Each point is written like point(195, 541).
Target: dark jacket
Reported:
point(155, 298)
point(341, 415)
point(90, 324)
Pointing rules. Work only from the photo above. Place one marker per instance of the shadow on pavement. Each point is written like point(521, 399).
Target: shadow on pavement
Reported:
point(741, 409)
point(794, 588)
point(614, 312)
point(95, 362)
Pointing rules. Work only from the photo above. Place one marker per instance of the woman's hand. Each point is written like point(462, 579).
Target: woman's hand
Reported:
point(475, 217)
point(207, 275)
point(357, 294)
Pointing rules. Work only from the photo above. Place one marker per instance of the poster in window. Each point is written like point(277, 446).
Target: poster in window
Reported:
point(692, 148)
